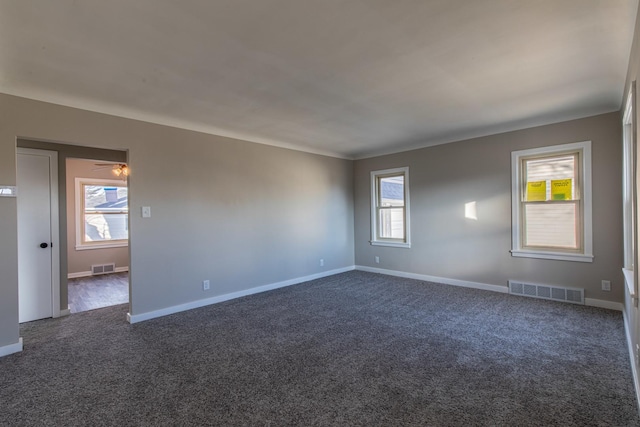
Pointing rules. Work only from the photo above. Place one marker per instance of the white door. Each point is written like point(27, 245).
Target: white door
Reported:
point(37, 234)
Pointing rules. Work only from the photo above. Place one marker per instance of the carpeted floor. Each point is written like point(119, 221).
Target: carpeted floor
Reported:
point(355, 349)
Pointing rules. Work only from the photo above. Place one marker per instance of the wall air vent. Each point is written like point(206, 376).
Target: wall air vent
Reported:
point(103, 268)
point(555, 293)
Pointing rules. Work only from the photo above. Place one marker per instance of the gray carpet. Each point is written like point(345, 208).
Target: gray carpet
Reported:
point(355, 349)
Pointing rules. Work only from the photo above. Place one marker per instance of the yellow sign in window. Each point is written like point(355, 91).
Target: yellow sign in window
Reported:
point(561, 189)
point(536, 191)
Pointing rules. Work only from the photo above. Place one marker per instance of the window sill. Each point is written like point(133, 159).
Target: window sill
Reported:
point(558, 256)
point(101, 246)
point(390, 244)
point(629, 280)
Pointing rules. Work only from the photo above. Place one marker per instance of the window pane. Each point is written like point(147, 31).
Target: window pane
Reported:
point(556, 174)
point(390, 207)
point(105, 198)
point(392, 191)
point(551, 225)
point(100, 228)
point(391, 223)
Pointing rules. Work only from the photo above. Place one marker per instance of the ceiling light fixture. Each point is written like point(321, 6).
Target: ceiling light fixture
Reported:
point(121, 169)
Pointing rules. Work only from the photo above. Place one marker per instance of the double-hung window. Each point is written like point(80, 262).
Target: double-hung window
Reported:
point(629, 192)
point(390, 207)
point(102, 213)
point(551, 202)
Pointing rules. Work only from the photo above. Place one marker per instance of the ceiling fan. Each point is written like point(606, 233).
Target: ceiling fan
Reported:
point(118, 169)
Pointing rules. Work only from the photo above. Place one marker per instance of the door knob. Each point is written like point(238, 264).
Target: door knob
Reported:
point(44, 245)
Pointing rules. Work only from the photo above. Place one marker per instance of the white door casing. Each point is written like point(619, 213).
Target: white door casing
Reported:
point(38, 267)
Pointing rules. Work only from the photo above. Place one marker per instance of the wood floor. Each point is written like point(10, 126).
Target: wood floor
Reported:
point(89, 293)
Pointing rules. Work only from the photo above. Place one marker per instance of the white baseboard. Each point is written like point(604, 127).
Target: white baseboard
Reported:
point(135, 318)
point(632, 358)
point(435, 279)
point(78, 274)
point(11, 348)
point(454, 282)
point(611, 305)
point(65, 312)
point(88, 273)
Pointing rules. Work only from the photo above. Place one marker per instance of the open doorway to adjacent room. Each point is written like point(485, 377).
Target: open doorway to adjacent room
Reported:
point(97, 234)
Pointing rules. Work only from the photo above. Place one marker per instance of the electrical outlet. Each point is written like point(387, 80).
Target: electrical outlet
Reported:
point(321, 263)
point(377, 260)
point(606, 285)
point(206, 285)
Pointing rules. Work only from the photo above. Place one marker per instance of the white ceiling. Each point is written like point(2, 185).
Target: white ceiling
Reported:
point(349, 78)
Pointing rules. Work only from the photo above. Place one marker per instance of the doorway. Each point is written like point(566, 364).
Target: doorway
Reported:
point(59, 219)
point(97, 234)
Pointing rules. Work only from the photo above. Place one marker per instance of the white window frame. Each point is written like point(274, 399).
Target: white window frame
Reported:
point(629, 194)
point(517, 193)
point(375, 240)
point(627, 181)
point(79, 208)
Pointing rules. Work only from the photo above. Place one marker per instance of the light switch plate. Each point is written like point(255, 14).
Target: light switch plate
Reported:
point(8, 191)
point(146, 212)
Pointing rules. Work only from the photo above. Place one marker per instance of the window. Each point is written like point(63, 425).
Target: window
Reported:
point(627, 180)
point(629, 194)
point(390, 207)
point(551, 202)
point(102, 213)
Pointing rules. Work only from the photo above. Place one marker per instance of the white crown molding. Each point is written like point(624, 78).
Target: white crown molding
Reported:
point(158, 119)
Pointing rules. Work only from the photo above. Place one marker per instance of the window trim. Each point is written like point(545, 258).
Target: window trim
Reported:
point(79, 211)
point(630, 192)
point(517, 189)
point(398, 243)
point(628, 179)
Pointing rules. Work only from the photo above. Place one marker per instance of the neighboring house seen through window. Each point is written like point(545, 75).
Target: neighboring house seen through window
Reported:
point(390, 207)
point(552, 202)
point(102, 213)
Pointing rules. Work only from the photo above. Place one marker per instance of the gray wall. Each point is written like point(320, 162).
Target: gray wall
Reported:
point(445, 177)
point(79, 261)
point(237, 213)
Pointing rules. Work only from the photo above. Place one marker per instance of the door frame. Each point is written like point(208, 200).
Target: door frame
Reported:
point(54, 219)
